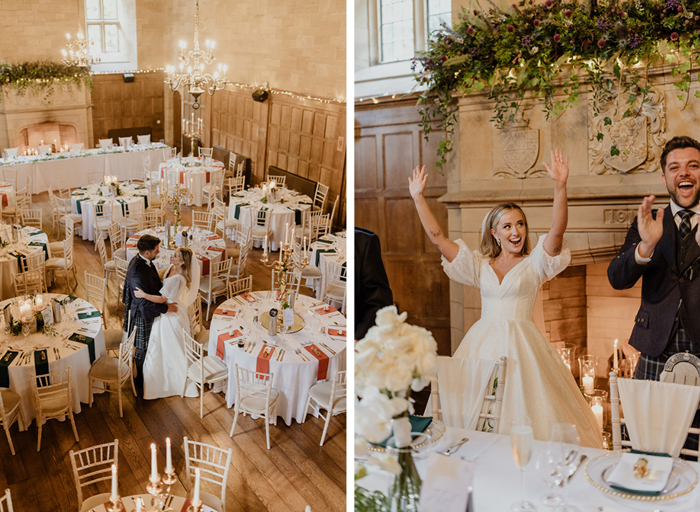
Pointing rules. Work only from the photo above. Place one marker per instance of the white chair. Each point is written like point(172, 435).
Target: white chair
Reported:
point(11, 412)
point(104, 216)
point(202, 220)
point(260, 225)
point(469, 393)
point(196, 323)
point(122, 268)
point(682, 368)
point(153, 219)
point(93, 465)
point(658, 415)
point(11, 152)
point(52, 397)
point(216, 179)
point(44, 149)
point(231, 171)
point(237, 271)
point(95, 178)
point(6, 501)
point(143, 139)
point(105, 143)
point(333, 285)
point(28, 282)
point(311, 274)
point(202, 370)
point(65, 264)
point(63, 207)
point(235, 185)
point(240, 286)
point(30, 217)
point(95, 290)
point(9, 175)
point(77, 146)
point(280, 181)
point(213, 464)
point(133, 216)
point(56, 248)
point(256, 396)
point(108, 266)
point(216, 283)
point(115, 371)
point(35, 266)
point(117, 240)
point(206, 152)
point(320, 195)
point(328, 395)
point(125, 142)
point(332, 217)
point(241, 238)
point(293, 279)
point(222, 224)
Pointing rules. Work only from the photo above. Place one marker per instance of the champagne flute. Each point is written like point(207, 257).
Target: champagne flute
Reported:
point(565, 435)
point(521, 442)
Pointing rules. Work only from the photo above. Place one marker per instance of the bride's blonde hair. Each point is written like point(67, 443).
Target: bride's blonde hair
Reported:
point(186, 256)
point(489, 246)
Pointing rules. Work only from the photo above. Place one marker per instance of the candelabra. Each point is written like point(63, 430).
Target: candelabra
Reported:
point(175, 197)
point(196, 80)
point(77, 54)
point(287, 261)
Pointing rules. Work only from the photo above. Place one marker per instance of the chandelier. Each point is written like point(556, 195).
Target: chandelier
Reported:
point(77, 54)
point(195, 79)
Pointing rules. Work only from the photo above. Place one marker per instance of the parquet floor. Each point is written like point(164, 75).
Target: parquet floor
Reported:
point(294, 473)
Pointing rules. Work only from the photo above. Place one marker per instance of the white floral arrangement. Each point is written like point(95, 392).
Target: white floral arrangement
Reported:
point(393, 359)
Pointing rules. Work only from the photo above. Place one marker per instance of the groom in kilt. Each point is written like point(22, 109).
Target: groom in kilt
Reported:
point(140, 313)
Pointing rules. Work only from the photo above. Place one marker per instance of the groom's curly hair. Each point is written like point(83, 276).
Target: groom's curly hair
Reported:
point(147, 243)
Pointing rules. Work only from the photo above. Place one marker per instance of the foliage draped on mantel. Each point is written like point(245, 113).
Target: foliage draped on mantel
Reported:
point(42, 77)
point(549, 51)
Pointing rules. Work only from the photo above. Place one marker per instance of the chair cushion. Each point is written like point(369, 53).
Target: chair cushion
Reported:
point(335, 291)
point(10, 210)
point(321, 392)
point(77, 219)
point(113, 338)
point(56, 248)
point(233, 252)
point(111, 266)
point(203, 336)
point(255, 402)
point(103, 224)
point(120, 253)
point(227, 223)
point(55, 263)
point(211, 501)
point(217, 287)
point(214, 368)
point(105, 368)
point(10, 399)
point(54, 405)
point(311, 272)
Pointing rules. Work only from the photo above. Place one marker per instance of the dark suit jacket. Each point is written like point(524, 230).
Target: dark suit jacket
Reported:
point(665, 281)
point(372, 291)
point(143, 276)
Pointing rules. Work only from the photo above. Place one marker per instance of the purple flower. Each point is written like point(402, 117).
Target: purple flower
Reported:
point(536, 23)
point(527, 41)
point(674, 36)
point(635, 40)
point(548, 3)
point(510, 28)
point(601, 43)
point(470, 31)
point(673, 4)
point(603, 24)
point(567, 13)
point(474, 51)
point(556, 38)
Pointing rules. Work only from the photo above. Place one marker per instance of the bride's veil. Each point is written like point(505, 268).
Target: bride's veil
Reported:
point(190, 294)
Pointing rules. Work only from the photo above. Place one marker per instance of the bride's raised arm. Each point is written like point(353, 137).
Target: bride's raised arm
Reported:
point(559, 171)
point(416, 186)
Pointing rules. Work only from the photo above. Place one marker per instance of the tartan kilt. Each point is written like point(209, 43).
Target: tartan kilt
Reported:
point(143, 333)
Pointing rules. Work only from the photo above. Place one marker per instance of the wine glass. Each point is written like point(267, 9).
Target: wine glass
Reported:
point(521, 442)
point(550, 466)
point(564, 437)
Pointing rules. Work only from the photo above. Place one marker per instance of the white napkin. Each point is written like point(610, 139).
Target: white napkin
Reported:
point(659, 470)
point(462, 385)
point(658, 414)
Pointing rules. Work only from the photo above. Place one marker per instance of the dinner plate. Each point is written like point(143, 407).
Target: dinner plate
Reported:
point(682, 480)
point(433, 433)
point(299, 322)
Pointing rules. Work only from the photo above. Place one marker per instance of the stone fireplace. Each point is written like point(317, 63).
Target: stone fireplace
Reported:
point(604, 193)
point(64, 116)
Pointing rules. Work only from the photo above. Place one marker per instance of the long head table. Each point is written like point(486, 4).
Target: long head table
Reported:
point(496, 481)
point(45, 170)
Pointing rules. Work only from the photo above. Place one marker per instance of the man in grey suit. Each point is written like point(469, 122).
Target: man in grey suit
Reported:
point(662, 248)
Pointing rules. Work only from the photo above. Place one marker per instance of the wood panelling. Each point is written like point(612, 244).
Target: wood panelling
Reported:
point(117, 104)
point(564, 306)
point(388, 145)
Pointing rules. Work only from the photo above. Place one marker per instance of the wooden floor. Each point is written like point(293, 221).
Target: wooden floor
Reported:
point(294, 473)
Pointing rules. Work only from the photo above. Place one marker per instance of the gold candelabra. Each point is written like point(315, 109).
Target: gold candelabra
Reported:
point(288, 260)
point(77, 54)
point(175, 197)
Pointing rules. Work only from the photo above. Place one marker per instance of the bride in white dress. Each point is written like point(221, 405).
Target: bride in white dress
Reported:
point(165, 366)
point(538, 384)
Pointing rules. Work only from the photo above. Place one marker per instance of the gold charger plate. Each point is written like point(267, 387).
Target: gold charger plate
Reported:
point(431, 434)
point(299, 322)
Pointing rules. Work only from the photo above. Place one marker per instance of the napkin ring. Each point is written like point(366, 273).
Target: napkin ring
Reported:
point(641, 468)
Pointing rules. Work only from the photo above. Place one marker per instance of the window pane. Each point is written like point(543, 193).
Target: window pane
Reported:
point(109, 9)
point(439, 12)
point(92, 9)
point(396, 29)
point(111, 38)
point(94, 38)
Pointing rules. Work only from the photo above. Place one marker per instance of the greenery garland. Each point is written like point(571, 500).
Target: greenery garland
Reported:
point(549, 47)
point(43, 77)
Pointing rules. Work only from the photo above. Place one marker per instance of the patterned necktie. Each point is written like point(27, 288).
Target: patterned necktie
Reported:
point(684, 227)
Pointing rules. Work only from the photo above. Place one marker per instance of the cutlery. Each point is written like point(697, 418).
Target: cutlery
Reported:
point(578, 465)
point(452, 449)
point(327, 347)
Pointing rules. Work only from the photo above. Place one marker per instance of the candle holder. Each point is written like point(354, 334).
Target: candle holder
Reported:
point(115, 504)
point(600, 406)
point(198, 508)
point(285, 264)
point(176, 197)
point(566, 352)
point(587, 373)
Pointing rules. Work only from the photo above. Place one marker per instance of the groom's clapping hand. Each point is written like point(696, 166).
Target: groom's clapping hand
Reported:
point(650, 228)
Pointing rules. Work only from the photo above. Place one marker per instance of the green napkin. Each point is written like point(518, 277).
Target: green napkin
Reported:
point(94, 314)
point(6, 361)
point(418, 424)
point(41, 361)
point(85, 340)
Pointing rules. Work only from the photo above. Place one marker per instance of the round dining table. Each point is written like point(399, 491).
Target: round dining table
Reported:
point(331, 247)
point(31, 241)
point(192, 172)
point(174, 503)
point(84, 199)
point(286, 211)
point(298, 360)
point(76, 341)
point(208, 247)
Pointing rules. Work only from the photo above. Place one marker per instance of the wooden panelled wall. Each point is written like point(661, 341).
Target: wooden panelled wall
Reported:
point(389, 143)
point(117, 104)
point(303, 137)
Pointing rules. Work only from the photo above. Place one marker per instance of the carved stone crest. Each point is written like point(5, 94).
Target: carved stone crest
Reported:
point(639, 138)
point(520, 147)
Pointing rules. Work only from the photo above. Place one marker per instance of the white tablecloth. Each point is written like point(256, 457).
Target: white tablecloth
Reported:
point(192, 174)
point(178, 503)
point(330, 247)
point(293, 376)
point(497, 479)
point(72, 353)
point(83, 202)
point(284, 212)
point(7, 195)
point(9, 264)
point(208, 247)
point(47, 170)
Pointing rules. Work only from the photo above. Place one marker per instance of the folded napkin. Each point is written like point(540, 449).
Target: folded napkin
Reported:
point(418, 424)
point(622, 477)
point(658, 414)
point(6, 361)
point(237, 211)
point(41, 362)
point(93, 314)
point(337, 332)
point(324, 311)
point(43, 245)
point(226, 312)
point(85, 340)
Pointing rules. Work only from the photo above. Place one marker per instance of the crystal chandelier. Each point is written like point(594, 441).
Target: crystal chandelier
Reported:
point(77, 54)
point(195, 79)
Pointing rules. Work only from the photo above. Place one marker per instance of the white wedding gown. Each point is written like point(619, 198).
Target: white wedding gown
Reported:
point(538, 383)
point(165, 366)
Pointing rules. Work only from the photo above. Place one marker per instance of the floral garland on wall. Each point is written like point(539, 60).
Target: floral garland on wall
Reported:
point(42, 77)
point(545, 49)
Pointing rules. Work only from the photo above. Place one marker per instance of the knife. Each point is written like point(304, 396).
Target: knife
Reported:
point(578, 465)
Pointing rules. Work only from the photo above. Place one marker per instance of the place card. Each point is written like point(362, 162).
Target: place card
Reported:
point(447, 485)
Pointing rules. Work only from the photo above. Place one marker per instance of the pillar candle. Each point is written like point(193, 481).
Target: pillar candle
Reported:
point(598, 413)
point(588, 384)
point(154, 463)
point(139, 504)
point(265, 247)
point(195, 498)
point(615, 366)
point(113, 498)
point(168, 457)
